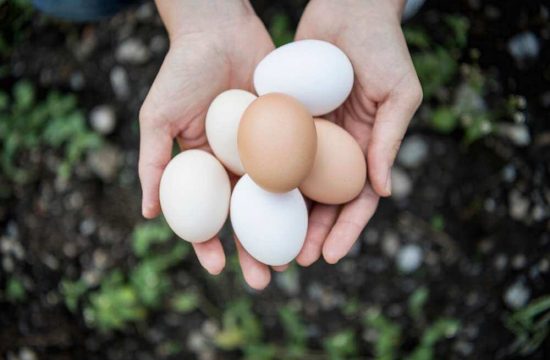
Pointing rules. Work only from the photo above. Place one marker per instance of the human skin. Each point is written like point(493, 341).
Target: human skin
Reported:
point(385, 95)
point(217, 46)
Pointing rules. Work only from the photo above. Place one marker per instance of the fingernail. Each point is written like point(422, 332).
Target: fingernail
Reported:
point(388, 183)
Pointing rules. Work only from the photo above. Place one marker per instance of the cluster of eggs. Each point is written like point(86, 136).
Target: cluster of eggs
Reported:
point(277, 147)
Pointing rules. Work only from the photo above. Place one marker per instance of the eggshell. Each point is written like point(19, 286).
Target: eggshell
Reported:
point(315, 72)
point(271, 227)
point(194, 195)
point(339, 171)
point(277, 142)
point(222, 125)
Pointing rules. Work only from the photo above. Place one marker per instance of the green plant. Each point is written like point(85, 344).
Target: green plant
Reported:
point(341, 345)
point(416, 302)
point(295, 332)
point(388, 335)
point(530, 325)
point(15, 15)
point(280, 30)
point(72, 291)
point(27, 126)
point(439, 330)
point(149, 233)
point(114, 305)
point(185, 302)
point(15, 291)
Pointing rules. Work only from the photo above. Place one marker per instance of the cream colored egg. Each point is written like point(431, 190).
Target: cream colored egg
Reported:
point(222, 124)
point(194, 195)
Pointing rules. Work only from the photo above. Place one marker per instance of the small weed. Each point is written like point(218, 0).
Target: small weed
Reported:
point(280, 30)
point(72, 291)
point(295, 332)
point(341, 345)
point(15, 291)
point(530, 325)
point(417, 301)
point(27, 126)
point(148, 234)
point(185, 302)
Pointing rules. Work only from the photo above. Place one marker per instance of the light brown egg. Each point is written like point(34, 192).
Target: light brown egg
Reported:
point(277, 142)
point(339, 171)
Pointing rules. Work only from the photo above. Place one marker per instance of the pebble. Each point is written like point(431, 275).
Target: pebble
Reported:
point(145, 11)
point(411, 9)
point(119, 82)
point(518, 205)
point(469, 99)
point(413, 152)
point(371, 236)
point(544, 265)
point(517, 133)
point(401, 184)
point(519, 261)
point(409, 258)
point(539, 213)
point(105, 162)
point(87, 227)
point(524, 46)
point(509, 173)
point(103, 119)
point(501, 261)
point(464, 348)
point(288, 281)
point(77, 81)
point(7, 264)
point(158, 44)
point(27, 354)
point(517, 295)
point(390, 244)
point(132, 51)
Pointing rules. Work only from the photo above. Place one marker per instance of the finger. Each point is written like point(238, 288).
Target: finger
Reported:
point(351, 221)
point(256, 274)
point(391, 122)
point(321, 220)
point(210, 254)
point(280, 268)
point(154, 154)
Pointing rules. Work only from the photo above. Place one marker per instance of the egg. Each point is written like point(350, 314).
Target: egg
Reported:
point(315, 72)
point(222, 123)
point(339, 171)
point(271, 227)
point(277, 142)
point(194, 195)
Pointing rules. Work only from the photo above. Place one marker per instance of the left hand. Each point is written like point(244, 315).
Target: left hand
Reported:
point(385, 95)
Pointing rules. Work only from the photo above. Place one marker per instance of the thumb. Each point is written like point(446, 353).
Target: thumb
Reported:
point(154, 154)
point(391, 122)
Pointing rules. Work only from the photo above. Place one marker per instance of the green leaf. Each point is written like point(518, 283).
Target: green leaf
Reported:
point(341, 345)
point(148, 234)
point(388, 335)
point(444, 120)
point(72, 291)
point(185, 302)
point(23, 93)
point(295, 332)
point(15, 291)
point(417, 301)
point(280, 30)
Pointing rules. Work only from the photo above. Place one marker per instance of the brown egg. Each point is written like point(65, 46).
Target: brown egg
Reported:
point(277, 142)
point(339, 171)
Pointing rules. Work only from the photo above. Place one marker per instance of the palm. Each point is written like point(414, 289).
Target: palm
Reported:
point(381, 63)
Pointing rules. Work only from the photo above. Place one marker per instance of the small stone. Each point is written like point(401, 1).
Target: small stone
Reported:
point(103, 119)
point(105, 162)
point(87, 227)
point(119, 82)
point(490, 205)
point(100, 259)
point(469, 99)
point(27, 354)
point(519, 261)
point(390, 244)
point(409, 258)
point(7, 264)
point(77, 81)
point(518, 205)
point(524, 46)
point(501, 261)
point(517, 295)
point(145, 11)
point(544, 265)
point(413, 152)
point(370, 236)
point(517, 133)
point(74, 201)
point(132, 51)
point(509, 173)
point(288, 281)
point(158, 44)
point(411, 8)
point(539, 213)
point(464, 348)
point(401, 184)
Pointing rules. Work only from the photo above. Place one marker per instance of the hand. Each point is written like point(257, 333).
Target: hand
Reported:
point(385, 95)
point(214, 46)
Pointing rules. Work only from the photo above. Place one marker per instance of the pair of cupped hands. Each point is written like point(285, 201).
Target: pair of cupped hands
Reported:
point(216, 45)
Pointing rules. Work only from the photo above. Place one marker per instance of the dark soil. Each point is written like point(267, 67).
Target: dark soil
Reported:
point(487, 243)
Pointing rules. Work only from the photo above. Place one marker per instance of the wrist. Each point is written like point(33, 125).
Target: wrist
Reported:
point(388, 8)
point(182, 17)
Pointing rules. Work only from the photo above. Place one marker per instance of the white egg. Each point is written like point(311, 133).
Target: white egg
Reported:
point(194, 195)
point(271, 227)
point(222, 124)
point(315, 72)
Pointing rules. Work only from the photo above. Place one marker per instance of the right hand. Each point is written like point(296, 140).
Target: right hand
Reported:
point(219, 55)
